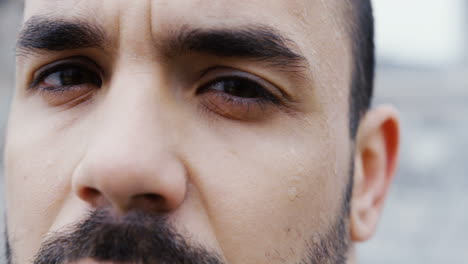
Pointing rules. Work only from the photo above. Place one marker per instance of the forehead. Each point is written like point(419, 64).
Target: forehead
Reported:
point(297, 7)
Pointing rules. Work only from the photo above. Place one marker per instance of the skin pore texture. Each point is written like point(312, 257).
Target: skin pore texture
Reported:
point(153, 129)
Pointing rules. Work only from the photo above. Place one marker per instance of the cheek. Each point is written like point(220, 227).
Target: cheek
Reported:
point(39, 161)
point(268, 192)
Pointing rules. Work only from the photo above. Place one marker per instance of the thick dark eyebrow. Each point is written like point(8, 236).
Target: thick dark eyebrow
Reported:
point(258, 42)
point(42, 33)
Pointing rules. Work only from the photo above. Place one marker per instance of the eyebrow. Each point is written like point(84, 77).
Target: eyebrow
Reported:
point(42, 33)
point(259, 42)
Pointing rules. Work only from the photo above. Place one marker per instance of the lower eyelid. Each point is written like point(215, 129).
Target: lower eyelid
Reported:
point(65, 96)
point(237, 108)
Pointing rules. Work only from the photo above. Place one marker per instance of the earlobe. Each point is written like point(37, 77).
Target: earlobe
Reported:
point(375, 161)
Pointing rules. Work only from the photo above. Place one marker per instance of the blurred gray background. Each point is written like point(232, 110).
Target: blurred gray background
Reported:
point(423, 71)
point(10, 18)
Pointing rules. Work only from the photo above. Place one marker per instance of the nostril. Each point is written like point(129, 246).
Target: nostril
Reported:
point(90, 194)
point(149, 201)
point(152, 197)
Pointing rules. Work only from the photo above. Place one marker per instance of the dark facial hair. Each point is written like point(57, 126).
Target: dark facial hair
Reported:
point(141, 237)
point(137, 237)
point(333, 247)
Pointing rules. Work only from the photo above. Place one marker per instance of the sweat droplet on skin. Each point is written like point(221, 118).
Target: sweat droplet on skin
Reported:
point(293, 193)
point(296, 179)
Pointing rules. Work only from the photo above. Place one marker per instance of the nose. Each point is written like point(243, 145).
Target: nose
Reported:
point(125, 181)
point(130, 162)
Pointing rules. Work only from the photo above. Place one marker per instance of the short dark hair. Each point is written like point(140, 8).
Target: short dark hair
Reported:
point(362, 42)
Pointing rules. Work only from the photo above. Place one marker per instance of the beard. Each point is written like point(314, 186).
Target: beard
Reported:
point(138, 237)
point(143, 238)
point(333, 247)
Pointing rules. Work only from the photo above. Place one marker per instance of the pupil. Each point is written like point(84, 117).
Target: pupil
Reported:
point(72, 77)
point(241, 88)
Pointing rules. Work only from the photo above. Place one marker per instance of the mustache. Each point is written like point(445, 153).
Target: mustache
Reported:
point(137, 237)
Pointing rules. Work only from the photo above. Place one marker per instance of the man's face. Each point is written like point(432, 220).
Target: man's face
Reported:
point(224, 121)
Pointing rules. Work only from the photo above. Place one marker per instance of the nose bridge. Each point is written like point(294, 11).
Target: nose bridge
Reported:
point(131, 161)
point(129, 116)
point(138, 101)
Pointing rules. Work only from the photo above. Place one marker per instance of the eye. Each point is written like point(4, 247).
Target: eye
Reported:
point(241, 88)
point(67, 76)
point(65, 81)
point(70, 76)
point(239, 97)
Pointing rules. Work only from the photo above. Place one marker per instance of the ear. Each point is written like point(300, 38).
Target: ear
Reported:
point(376, 153)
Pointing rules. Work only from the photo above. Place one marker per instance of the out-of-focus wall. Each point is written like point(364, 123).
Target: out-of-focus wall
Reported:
point(10, 18)
point(423, 70)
